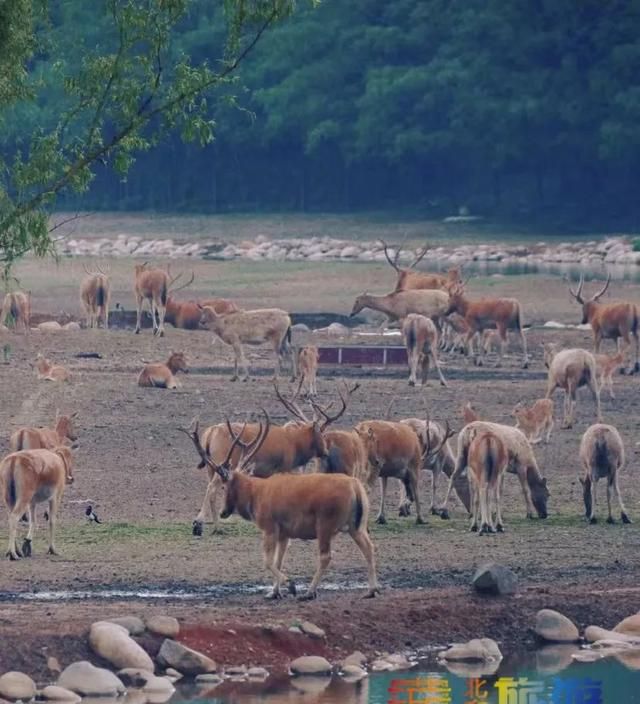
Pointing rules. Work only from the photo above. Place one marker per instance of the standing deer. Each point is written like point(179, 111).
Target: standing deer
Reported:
point(18, 305)
point(609, 321)
point(307, 368)
point(487, 459)
point(162, 376)
point(409, 279)
point(607, 365)
point(398, 305)
point(186, 314)
point(153, 285)
point(602, 456)
point(534, 421)
point(421, 340)
point(95, 294)
point(29, 438)
point(307, 507)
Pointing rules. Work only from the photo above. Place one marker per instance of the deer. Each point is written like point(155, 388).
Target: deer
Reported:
point(609, 321)
point(602, 456)
point(504, 314)
point(186, 314)
point(307, 368)
point(46, 370)
point(251, 327)
point(522, 462)
point(153, 285)
point(162, 376)
point(286, 507)
point(29, 477)
point(95, 294)
point(487, 460)
point(397, 305)
point(469, 414)
point(408, 279)
point(570, 370)
point(285, 449)
point(606, 366)
point(18, 306)
point(421, 340)
point(28, 438)
point(535, 420)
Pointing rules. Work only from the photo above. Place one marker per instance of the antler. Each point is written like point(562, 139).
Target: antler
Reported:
point(429, 452)
point(604, 288)
point(223, 468)
point(104, 273)
point(87, 271)
point(250, 449)
point(577, 294)
point(291, 406)
point(328, 419)
point(193, 276)
point(394, 261)
point(419, 257)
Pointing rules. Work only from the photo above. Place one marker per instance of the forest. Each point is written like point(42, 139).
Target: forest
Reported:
point(509, 108)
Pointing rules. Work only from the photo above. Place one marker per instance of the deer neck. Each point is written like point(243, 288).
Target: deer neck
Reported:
point(300, 439)
point(246, 489)
point(382, 303)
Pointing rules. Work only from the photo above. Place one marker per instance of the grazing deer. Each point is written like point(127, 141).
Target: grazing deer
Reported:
point(469, 414)
point(18, 305)
point(48, 371)
point(522, 462)
point(397, 305)
point(504, 314)
point(29, 438)
point(285, 449)
point(570, 370)
point(606, 366)
point(153, 285)
point(534, 421)
point(186, 314)
point(421, 340)
point(252, 327)
point(307, 368)
point(609, 321)
point(487, 459)
point(408, 279)
point(602, 456)
point(95, 294)
point(30, 477)
point(162, 376)
point(307, 507)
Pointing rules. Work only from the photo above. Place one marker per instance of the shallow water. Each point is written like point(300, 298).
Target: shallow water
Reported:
point(538, 678)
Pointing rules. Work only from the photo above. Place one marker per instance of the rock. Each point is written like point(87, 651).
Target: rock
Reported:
point(236, 671)
point(163, 626)
point(397, 660)
point(356, 658)
point(171, 672)
point(595, 633)
point(209, 678)
point(353, 673)
point(50, 326)
point(17, 685)
point(87, 680)
point(630, 625)
point(492, 578)
point(113, 643)
point(186, 660)
point(476, 649)
point(257, 673)
point(133, 624)
point(349, 252)
point(53, 664)
point(380, 665)
point(300, 327)
point(553, 626)
point(59, 694)
point(310, 665)
point(310, 684)
point(552, 659)
point(337, 330)
point(554, 324)
point(311, 629)
point(587, 656)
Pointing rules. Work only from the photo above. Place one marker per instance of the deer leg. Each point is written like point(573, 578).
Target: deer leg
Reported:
point(623, 511)
point(461, 463)
point(270, 550)
point(592, 517)
point(413, 367)
point(12, 548)
point(593, 386)
point(241, 360)
point(209, 501)
point(549, 429)
point(436, 364)
point(498, 497)
point(502, 333)
point(53, 517)
point(609, 515)
point(526, 493)
point(413, 483)
point(162, 310)
point(426, 361)
point(138, 312)
point(473, 494)
point(381, 517)
point(483, 492)
point(283, 544)
point(434, 480)
point(324, 558)
point(363, 541)
point(636, 364)
point(28, 541)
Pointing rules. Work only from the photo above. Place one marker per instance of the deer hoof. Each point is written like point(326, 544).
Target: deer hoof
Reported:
point(196, 529)
point(137, 332)
point(444, 514)
point(381, 520)
point(12, 556)
point(593, 520)
point(500, 528)
point(26, 548)
point(473, 529)
point(420, 521)
point(273, 595)
point(372, 593)
point(52, 551)
point(291, 586)
point(610, 520)
point(411, 382)
point(308, 596)
point(625, 518)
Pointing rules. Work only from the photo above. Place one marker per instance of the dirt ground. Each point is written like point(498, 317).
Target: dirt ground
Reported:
point(139, 472)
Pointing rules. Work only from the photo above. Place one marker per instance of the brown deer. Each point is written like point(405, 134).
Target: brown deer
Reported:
point(307, 507)
point(421, 340)
point(487, 459)
point(48, 371)
point(252, 327)
point(609, 321)
point(504, 314)
point(602, 456)
point(535, 420)
point(30, 477)
point(606, 366)
point(570, 370)
point(307, 368)
point(95, 294)
point(153, 285)
point(18, 305)
point(162, 376)
point(397, 305)
point(346, 454)
point(28, 438)
point(186, 314)
point(409, 279)
point(522, 462)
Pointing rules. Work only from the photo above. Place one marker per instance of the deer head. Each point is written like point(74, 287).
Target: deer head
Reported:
point(587, 304)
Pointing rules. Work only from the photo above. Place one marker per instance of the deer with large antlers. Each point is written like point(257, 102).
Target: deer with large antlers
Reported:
point(95, 294)
point(609, 321)
point(307, 507)
point(18, 306)
point(153, 285)
point(409, 279)
point(285, 449)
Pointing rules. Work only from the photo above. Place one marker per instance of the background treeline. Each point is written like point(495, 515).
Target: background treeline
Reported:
point(519, 108)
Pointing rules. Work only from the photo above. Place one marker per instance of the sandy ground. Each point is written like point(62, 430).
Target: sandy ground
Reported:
point(138, 471)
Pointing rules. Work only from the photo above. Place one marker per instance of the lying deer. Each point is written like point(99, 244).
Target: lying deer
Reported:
point(421, 340)
point(606, 366)
point(186, 314)
point(285, 507)
point(95, 294)
point(487, 459)
point(48, 371)
point(29, 438)
point(307, 368)
point(162, 376)
point(602, 456)
point(535, 420)
point(570, 370)
point(30, 477)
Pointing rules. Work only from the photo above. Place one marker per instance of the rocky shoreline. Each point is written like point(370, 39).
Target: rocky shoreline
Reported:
point(616, 249)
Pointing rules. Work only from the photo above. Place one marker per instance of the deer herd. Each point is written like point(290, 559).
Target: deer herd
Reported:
point(256, 465)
